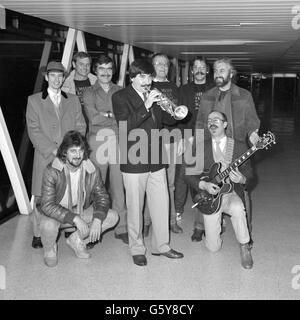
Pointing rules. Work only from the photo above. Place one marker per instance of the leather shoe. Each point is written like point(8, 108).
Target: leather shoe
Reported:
point(36, 243)
point(146, 230)
point(174, 227)
point(172, 254)
point(123, 237)
point(197, 235)
point(246, 257)
point(139, 260)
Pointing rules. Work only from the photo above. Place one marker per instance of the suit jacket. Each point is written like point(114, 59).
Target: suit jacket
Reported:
point(46, 131)
point(245, 168)
point(128, 106)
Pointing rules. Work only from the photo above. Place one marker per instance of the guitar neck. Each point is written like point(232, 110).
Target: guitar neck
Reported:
point(236, 163)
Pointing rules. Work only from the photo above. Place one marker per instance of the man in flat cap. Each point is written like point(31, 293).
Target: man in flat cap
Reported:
point(49, 115)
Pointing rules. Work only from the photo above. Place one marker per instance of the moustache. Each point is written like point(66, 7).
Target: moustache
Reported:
point(200, 73)
point(213, 126)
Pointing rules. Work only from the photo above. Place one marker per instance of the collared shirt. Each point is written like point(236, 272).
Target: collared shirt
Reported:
point(139, 93)
point(222, 144)
point(54, 96)
point(97, 103)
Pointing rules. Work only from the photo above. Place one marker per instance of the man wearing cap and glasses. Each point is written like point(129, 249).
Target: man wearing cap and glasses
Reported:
point(49, 115)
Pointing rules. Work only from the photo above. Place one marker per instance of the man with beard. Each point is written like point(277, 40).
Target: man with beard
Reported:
point(190, 95)
point(73, 195)
point(103, 137)
point(237, 103)
point(223, 149)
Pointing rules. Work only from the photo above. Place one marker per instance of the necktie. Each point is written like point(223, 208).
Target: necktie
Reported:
point(219, 155)
point(56, 103)
point(218, 152)
point(151, 109)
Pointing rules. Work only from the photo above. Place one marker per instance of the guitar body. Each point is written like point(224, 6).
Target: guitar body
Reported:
point(206, 202)
point(210, 204)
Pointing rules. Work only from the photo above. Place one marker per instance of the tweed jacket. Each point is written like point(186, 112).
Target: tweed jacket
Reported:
point(46, 130)
point(54, 187)
point(245, 119)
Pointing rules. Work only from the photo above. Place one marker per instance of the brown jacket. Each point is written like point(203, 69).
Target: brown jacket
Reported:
point(54, 187)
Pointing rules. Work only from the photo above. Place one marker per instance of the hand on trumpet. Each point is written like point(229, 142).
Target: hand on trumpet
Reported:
point(152, 96)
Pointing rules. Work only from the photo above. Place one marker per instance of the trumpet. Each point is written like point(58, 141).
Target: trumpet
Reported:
point(177, 112)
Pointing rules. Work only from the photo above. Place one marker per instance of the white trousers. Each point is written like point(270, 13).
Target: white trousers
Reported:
point(232, 205)
point(154, 185)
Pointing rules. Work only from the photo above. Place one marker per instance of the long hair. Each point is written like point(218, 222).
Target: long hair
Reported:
point(72, 138)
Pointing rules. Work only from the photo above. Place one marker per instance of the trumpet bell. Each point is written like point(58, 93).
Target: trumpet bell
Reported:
point(180, 112)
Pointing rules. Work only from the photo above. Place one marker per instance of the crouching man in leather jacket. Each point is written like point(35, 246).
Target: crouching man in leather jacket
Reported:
point(73, 194)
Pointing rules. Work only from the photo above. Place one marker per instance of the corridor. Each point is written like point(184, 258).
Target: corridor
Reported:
point(110, 273)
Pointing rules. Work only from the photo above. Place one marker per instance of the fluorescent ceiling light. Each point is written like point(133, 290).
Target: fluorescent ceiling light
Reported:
point(214, 52)
point(208, 42)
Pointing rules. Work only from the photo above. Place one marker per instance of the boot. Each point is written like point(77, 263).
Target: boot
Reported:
point(50, 256)
point(246, 257)
point(75, 242)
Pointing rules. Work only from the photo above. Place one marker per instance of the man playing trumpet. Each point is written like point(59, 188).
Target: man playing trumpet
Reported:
point(137, 113)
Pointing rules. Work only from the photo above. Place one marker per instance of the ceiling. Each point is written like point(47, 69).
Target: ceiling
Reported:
point(259, 35)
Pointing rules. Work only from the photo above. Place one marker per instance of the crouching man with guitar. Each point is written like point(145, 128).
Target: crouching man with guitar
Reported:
point(216, 194)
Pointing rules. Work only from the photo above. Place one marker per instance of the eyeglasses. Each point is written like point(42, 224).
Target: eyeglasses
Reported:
point(215, 121)
point(161, 64)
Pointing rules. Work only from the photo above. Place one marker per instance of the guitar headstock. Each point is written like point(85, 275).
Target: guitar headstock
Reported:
point(266, 140)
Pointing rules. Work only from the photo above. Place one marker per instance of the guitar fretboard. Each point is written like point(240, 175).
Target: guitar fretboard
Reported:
point(235, 164)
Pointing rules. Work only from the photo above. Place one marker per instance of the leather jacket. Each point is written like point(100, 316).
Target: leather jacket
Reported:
point(54, 187)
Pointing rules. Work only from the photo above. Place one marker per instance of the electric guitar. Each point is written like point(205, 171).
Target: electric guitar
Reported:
point(210, 204)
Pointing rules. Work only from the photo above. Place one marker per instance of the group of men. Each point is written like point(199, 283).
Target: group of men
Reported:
point(84, 113)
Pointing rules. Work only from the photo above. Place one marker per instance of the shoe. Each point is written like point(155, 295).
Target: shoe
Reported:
point(172, 254)
point(36, 243)
point(197, 235)
point(50, 257)
point(246, 257)
point(139, 260)
point(146, 230)
point(75, 242)
point(123, 237)
point(91, 245)
point(174, 227)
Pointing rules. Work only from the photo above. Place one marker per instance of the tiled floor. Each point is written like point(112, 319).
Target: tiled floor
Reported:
point(110, 273)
